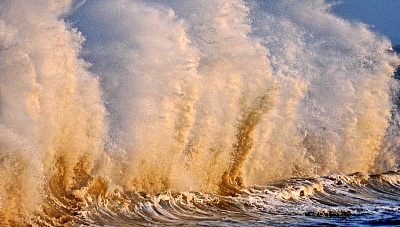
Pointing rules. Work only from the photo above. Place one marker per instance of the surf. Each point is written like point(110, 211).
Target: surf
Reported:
point(104, 105)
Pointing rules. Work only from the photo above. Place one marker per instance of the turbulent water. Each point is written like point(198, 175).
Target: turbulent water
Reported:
point(187, 112)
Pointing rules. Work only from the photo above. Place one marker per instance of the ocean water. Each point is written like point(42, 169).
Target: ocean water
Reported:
point(186, 112)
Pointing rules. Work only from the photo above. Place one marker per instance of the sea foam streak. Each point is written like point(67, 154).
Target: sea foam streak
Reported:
point(100, 99)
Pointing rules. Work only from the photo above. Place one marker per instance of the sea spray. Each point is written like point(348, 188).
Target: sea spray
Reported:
point(51, 112)
point(105, 103)
point(218, 86)
point(335, 80)
point(148, 72)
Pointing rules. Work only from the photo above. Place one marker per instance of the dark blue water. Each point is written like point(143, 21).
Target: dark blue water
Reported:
point(337, 200)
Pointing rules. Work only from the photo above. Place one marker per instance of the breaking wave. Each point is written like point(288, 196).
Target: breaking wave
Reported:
point(130, 111)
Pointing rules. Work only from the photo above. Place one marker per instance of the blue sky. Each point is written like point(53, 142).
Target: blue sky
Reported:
point(382, 15)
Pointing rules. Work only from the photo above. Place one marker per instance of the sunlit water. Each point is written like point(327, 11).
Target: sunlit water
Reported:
point(186, 112)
